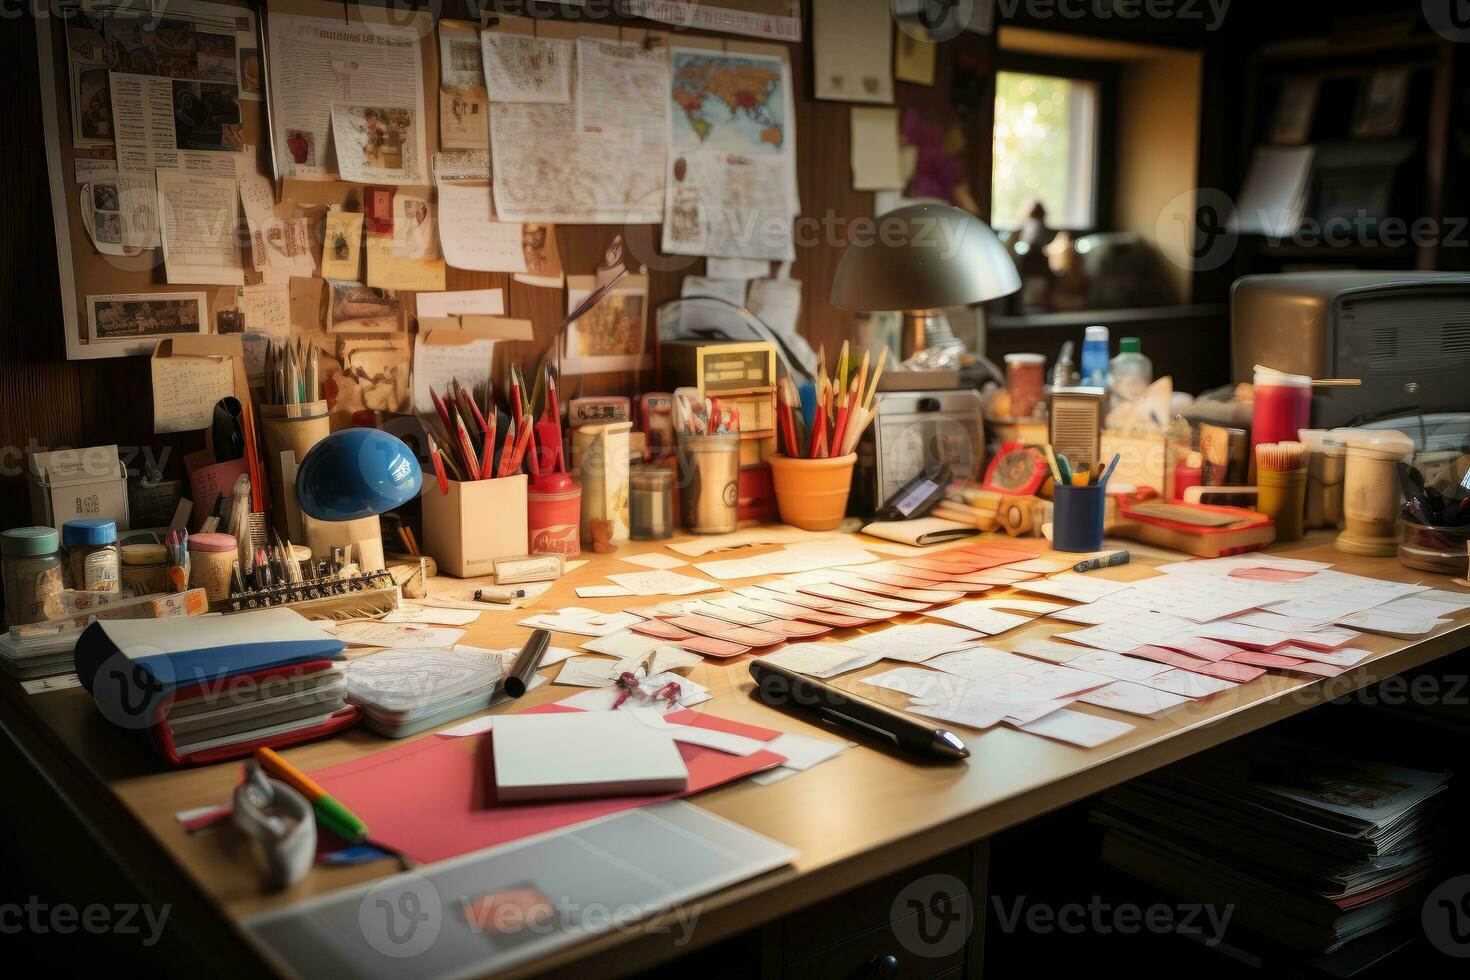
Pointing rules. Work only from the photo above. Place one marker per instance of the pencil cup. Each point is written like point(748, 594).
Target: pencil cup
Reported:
point(475, 523)
point(1282, 496)
point(812, 493)
point(1077, 518)
point(709, 482)
point(290, 429)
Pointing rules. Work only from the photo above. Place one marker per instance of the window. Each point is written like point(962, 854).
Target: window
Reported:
point(1045, 148)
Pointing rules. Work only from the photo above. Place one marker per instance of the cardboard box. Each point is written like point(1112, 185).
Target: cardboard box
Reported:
point(475, 523)
point(68, 484)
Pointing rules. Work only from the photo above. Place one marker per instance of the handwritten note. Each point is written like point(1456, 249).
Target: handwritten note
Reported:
point(185, 390)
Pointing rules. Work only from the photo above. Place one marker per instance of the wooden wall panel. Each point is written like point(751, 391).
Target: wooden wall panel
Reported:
point(47, 402)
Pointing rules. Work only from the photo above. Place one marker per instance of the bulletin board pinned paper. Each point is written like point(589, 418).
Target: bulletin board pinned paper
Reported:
point(131, 307)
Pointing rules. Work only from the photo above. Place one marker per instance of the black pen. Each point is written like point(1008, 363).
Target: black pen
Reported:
point(779, 687)
point(527, 662)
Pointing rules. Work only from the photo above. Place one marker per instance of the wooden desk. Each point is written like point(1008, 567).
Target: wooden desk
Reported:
point(852, 820)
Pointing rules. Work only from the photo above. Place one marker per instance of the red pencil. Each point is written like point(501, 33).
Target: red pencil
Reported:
point(443, 411)
point(438, 463)
point(487, 454)
point(472, 465)
point(819, 432)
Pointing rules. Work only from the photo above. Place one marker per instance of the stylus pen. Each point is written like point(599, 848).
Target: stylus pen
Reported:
point(518, 681)
point(779, 687)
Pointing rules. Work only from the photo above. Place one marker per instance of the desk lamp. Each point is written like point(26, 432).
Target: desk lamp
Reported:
point(922, 259)
point(346, 481)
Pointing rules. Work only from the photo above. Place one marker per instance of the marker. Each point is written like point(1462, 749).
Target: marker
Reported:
point(329, 813)
point(1111, 560)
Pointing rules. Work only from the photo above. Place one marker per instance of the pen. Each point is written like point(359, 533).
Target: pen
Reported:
point(329, 813)
point(1103, 561)
point(502, 598)
point(779, 687)
point(518, 681)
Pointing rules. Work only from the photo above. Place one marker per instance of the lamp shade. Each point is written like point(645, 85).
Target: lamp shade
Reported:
point(924, 257)
point(356, 473)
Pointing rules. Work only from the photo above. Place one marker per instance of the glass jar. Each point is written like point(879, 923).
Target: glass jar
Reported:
point(91, 549)
point(32, 568)
point(651, 503)
point(212, 559)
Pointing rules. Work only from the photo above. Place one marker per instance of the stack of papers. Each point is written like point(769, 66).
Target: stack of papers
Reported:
point(43, 656)
point(402, 692)
point(1310, 848)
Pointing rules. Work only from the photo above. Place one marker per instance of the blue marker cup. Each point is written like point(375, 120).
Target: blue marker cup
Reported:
point(1077, 518)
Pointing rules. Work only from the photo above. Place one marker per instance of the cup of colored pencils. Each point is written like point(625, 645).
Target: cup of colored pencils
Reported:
point(813, 473)
point(1281, 486)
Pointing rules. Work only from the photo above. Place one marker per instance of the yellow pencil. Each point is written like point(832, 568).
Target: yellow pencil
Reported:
point(877, 373)
point(862, 379)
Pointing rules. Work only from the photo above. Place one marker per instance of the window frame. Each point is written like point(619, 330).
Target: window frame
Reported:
point(1104, 166)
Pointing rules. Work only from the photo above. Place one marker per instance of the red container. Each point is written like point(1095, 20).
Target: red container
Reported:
point(554, 522)
point(1282, 408)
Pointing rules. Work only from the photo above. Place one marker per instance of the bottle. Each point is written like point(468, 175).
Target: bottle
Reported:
point(1095, 357)
point(1130, 373)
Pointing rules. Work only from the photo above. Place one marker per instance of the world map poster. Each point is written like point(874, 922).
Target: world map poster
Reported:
point(731, 188)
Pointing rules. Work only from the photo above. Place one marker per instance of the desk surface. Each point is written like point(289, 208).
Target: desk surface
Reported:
point(851, 820)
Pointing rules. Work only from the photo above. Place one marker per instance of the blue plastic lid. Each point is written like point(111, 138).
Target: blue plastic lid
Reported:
point(29, 542)
point(89, 531)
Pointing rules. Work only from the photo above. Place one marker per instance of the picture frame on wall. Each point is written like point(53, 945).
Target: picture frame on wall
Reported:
point(1296, 108)
point(1383, 98)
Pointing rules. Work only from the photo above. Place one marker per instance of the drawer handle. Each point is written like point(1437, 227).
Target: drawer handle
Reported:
point(884, 967)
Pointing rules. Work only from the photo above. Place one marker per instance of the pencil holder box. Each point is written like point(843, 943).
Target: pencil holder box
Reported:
point(475, 523)
point(1077, 518)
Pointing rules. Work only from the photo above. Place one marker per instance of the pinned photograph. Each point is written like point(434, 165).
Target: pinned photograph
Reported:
point(149, 316)
point(92, 123)
point(342, 246)
point(216, 54)
point(145, 46)
point(207, 117)
point(364, 309)
point(377, 144)
point(415, 235)
point(610, 336)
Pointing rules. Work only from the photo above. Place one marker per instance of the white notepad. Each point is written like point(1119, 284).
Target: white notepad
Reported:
point(586, 753)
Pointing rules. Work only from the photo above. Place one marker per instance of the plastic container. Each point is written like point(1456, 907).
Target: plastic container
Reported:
point(554, 521)
point(1025, 383)
point(1095, 357)
point(1435, 549)
point(812, 493)
point(145, 568)
point(1282, 408)
point(1130, 373)
point(91, 550)
point(33, 569)
point(211, 557)
point(651, 503)
point(1371, 498)
point(1078, 515)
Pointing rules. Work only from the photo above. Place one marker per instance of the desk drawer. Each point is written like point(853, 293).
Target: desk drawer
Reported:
point(881, 955)
point(856, 912)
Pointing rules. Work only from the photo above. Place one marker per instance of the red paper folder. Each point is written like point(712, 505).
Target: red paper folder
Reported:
point(434, 798)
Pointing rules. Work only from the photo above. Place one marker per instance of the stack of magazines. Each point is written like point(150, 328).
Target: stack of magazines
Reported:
point(1312, 849)
point(29, 654)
